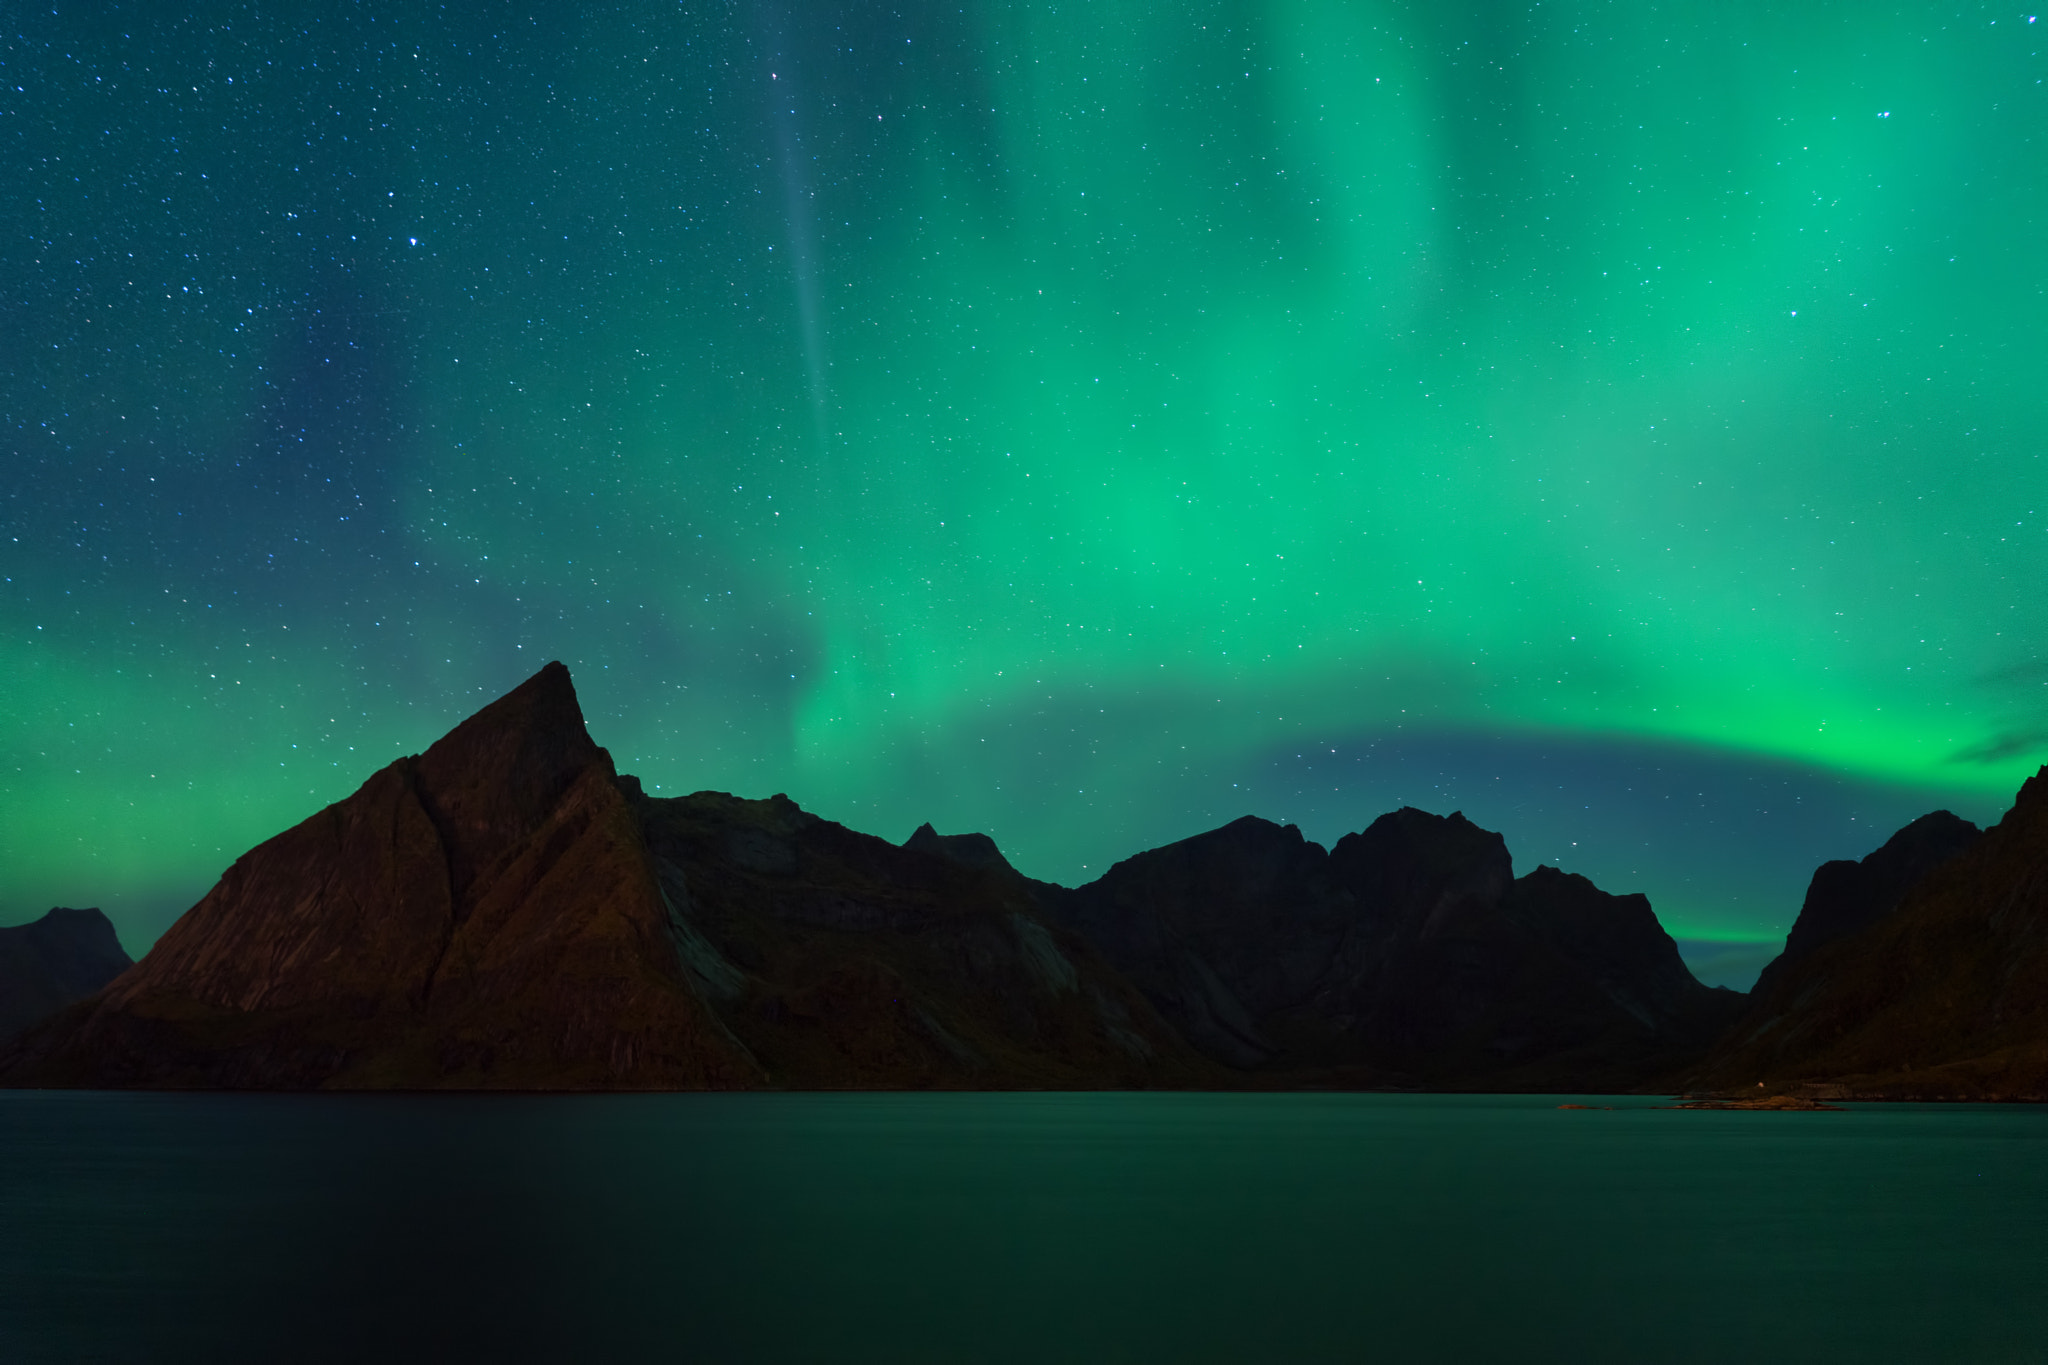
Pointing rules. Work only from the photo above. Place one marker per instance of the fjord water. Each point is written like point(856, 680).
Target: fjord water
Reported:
point(1025, 1227)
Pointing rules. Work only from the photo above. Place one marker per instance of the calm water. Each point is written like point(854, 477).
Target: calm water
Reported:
point(1014, 1227)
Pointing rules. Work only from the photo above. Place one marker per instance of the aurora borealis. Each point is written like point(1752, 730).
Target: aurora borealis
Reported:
point(1087, 424)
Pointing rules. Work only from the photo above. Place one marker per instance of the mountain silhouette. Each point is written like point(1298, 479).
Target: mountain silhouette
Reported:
point(506, 910)
point(1919, 973)
point(1409, 954)
point(1847, 895)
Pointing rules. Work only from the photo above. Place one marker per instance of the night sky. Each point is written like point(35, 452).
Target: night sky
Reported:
point(1086, 423)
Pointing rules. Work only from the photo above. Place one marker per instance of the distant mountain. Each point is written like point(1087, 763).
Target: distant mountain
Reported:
point(1919, 973)
point(1409, 954)
point(506, 911)
point(45, 965)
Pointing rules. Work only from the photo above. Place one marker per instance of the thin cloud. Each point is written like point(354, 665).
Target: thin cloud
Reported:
point(2001, 747)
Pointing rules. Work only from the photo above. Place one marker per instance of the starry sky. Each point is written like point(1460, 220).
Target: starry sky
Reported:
point(1083, 423)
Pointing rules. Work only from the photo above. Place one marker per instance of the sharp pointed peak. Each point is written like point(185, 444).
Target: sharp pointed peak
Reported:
point(543, 705)
point(494, 777)
point(552, 683)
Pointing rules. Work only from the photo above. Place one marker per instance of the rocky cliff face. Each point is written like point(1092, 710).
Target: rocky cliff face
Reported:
point(48, 963)
point(1408, 954)
point(481, 915)
point(1944, 996)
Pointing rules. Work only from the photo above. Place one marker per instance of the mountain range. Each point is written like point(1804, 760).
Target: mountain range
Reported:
point(507, 911)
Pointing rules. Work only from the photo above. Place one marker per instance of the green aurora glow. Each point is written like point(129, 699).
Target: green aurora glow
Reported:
point(1035, 418)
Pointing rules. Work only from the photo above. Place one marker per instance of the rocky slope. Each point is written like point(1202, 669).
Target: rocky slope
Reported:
point(1409, 954)
point(1934, 990)
point(48, 963)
